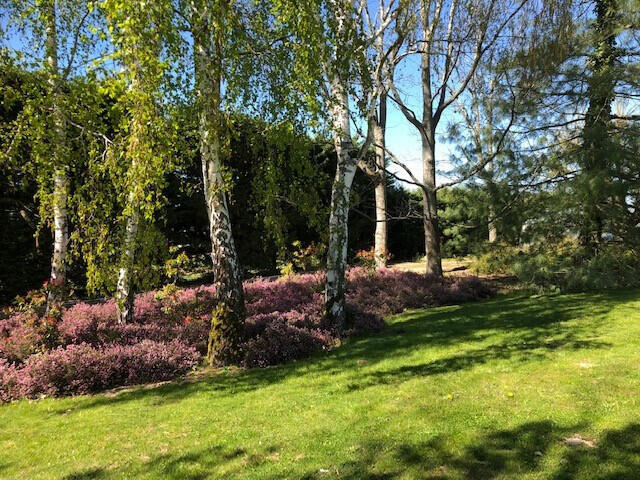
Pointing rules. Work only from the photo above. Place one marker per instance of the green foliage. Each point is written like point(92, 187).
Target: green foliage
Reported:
point(177, 264)
point(565, 266)
point(304, 259)
point(462, 213)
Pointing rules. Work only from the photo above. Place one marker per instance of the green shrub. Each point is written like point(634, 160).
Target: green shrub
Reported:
point(564, 266)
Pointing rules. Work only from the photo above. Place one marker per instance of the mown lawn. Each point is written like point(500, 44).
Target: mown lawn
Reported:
point(482, 391)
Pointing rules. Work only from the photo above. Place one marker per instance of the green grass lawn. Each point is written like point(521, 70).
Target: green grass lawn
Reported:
point(482, 391)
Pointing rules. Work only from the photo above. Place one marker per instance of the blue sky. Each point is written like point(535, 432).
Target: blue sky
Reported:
point(402, 138)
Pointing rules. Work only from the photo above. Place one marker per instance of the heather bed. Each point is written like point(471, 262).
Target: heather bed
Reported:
point(86, 350)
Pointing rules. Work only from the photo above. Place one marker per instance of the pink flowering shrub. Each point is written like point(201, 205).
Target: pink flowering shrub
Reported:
point(97, 325)
point(78, 369)
point(21, 335)
point(87, 350)
point(388, 291)
point(281, 341)
point(9, 385)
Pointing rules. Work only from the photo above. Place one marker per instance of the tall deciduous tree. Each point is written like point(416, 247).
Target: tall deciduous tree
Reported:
point(211, 23)
point(383, 32)
point(332, 45)
point(60, 178)
point(142, 32)
point(451, 40)
point(52, 36)
point(324, 45)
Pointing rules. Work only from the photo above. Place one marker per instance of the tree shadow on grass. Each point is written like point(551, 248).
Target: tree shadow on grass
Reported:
point(90, 474)
point(530, 448)
point(524, 329)
point(509, 453)
point(213, 462)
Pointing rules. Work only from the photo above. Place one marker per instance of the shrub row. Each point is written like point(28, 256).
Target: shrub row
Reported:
point(87, 350)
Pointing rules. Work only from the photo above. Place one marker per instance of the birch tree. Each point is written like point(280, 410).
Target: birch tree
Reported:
point(52, 36)
point(344, 87)
point(383, 31)
point(240, 64)
point(210, 22)
point(337, 69)
point(141, 32)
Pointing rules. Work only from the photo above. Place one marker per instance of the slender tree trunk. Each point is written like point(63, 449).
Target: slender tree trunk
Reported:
point(381, 251)
point(428, 137)
point(60, 179)
point(124, 288)
point(228, 317)
point(380, 236)
point(340, 197)
point(430, 208)
point(493, 200)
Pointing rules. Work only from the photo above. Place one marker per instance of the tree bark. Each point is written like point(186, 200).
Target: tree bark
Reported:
point(335, 288)
point(124, 288)
point(428, 137)
point(493, 202)
point(380, 246)
point(228, 317)
point(60, 179)
point(430, 208)
point(493, 229)
point(380, 236)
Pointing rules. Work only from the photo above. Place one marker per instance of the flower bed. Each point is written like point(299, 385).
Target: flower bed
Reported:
point(87, 350)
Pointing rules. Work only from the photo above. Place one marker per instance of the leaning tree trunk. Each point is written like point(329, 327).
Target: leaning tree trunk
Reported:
point(228, 317)
point(340, 197)
point(60, 180)
point(380, 236)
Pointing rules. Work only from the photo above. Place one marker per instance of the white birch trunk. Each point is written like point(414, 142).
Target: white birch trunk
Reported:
point(228, 317)
point(124, 288)
point(60, 180)
point(340, 198)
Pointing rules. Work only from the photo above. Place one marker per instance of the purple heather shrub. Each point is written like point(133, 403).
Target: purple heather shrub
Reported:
point(9, 384)
point(78, 369)
point(264, 296)
point(281, 342)
point(87, 350)
point(20, 336)
point(88, 323)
